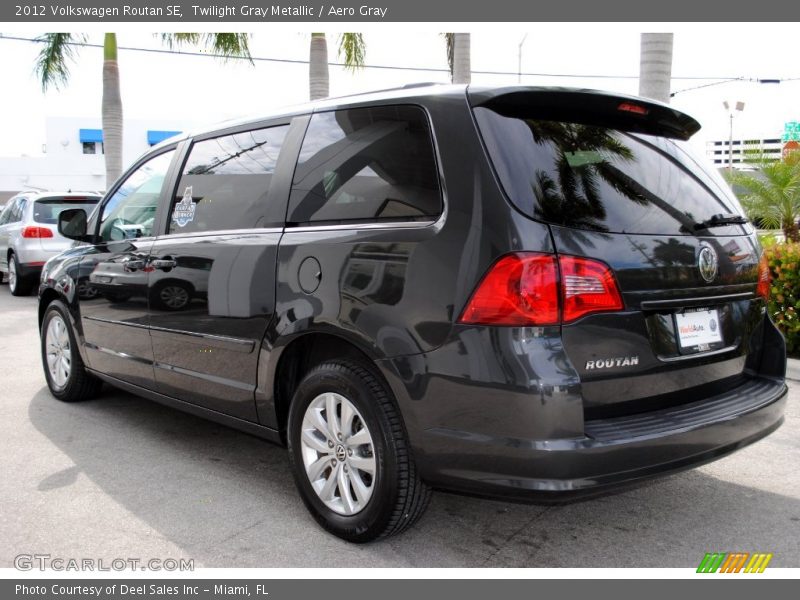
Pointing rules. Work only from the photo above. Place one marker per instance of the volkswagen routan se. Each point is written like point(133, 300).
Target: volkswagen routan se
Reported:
point(527, 293)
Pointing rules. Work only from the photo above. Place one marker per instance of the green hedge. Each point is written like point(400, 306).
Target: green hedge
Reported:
point(784, 301)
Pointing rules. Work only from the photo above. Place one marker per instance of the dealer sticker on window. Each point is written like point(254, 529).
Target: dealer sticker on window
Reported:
point(698, 328)
point(183, 213)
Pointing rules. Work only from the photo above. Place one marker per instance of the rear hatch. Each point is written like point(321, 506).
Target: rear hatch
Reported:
point(45, 218)
point(617, 182)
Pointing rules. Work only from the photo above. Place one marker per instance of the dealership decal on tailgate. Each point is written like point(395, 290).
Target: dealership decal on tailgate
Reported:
point(698, 327)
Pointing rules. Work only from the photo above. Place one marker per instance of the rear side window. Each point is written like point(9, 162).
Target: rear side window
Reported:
point(366, 165)
point(47, 210)
point(13, 213)
point(225, 182)
point(595, 178)
point(5, 214)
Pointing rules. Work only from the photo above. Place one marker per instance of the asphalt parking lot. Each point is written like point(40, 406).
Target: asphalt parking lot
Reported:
point(124, 477)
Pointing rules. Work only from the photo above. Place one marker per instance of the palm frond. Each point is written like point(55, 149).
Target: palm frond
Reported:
point(176, 40)
point(225, 45)
point(52, 63)
point(771, 194)
point(352, 50)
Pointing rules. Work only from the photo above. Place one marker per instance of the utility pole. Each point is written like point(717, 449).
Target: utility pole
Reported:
point(519, 58)
point(738, 106)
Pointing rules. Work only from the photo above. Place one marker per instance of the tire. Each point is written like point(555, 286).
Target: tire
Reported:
point(397, 497)
point(58, 343)
point(17, 285)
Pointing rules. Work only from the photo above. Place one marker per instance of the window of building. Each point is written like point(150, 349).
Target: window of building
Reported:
point(225, 182)
point(366, 164)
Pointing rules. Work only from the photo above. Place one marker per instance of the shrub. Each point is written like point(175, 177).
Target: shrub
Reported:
point(784, 301)
point(767, 239)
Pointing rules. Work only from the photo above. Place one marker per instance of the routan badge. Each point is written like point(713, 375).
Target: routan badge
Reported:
point(183, 213)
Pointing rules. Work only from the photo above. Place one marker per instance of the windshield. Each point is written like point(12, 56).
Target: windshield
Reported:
point(600, 179)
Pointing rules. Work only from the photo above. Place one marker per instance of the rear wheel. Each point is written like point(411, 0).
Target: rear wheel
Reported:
point(171, 295)
point(17, 284)
point(350, 454)
point(64, 370)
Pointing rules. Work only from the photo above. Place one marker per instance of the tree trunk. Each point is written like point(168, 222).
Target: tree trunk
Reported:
point(462, 69)
point(655, 66)
point(791, 231)
point(112, 111)
point(318, 80)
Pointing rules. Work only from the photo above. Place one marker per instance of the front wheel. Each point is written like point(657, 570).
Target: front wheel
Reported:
point(350, 454)
point(64, 370)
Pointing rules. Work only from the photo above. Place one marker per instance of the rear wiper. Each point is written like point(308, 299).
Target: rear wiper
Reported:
point(720, 220)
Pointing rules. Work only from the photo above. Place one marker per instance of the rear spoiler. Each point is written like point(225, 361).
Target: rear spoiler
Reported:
point(587, 107)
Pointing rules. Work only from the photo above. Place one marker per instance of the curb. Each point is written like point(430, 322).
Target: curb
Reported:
point(793, 369)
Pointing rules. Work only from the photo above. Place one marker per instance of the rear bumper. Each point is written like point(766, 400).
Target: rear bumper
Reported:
point(29, 270)
point(31, 258)
point(613, 452)
point(38, 255)
point(500, 414)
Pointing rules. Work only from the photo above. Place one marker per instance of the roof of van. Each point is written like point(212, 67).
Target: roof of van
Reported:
point(684, 125)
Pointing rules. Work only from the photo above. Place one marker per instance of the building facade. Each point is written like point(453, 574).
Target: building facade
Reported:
point(72, 156)
point(743, 152)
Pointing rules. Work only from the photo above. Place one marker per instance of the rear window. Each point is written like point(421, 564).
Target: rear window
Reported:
point(47, 210)
point(595, 178)
point(366, 164)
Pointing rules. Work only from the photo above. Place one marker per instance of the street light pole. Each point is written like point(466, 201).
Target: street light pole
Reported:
point(739, 106)
point(730, 146)
point(519, 58)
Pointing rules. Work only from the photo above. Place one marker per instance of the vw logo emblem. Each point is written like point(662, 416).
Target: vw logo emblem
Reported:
point(707, 262)
point(341, 453)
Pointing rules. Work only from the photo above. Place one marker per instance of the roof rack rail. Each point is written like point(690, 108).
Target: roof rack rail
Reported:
point(409, 86)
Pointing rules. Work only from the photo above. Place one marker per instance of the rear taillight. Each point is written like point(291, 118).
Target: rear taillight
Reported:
point(36, 232)
point(526, 289)
point(762, 289)
point(519, 289)
point(588, 286)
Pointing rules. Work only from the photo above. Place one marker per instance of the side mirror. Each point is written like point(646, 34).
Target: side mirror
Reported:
point(72, 224)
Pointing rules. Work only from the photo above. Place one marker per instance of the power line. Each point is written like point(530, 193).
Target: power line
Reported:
point(383, 67)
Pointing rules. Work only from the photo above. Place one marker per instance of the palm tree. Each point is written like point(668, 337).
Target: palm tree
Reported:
point(772, 194)
point(458, 57)
point(655, 66)
point(352, 50)
point(52, 67)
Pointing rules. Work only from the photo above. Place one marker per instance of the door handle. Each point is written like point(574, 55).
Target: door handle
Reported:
point(163, 263)
point(135, 264)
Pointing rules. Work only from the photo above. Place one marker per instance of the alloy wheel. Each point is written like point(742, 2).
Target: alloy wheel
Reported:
point(12, 274)
point(58, 351)
point(338, 453)
point(174, 296)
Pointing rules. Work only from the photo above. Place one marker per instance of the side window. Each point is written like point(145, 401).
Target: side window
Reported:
point(17, 211)
point(5, 214)
point(131, 211)
point(225, 181)
point(366, 164)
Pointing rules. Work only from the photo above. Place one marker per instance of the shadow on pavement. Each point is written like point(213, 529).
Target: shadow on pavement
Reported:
point(228, 500)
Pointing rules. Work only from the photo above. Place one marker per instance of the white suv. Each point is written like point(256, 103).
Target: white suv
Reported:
point(29, 234)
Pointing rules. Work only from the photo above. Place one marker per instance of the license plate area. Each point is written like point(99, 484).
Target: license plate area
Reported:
point(698, 330)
